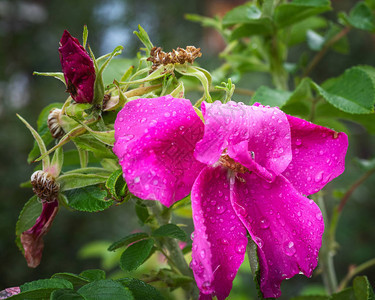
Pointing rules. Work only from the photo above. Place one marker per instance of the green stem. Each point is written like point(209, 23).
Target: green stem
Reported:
point(176, 257)
point(324, 50)
point(279, 75)
point(354, 271)
point(327, 253)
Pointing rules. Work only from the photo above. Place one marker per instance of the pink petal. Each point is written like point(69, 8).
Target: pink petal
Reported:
point(265, 129)
point(154, 141)
point(32, 239)
point(318, 155)
point(78, 69)
point(219, 242)
point(9, 292)
point(286, 226)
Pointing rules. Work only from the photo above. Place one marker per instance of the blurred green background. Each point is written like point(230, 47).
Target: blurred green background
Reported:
point(29, 36)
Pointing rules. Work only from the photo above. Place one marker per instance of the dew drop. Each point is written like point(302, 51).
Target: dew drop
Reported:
point(202, 253)
point(137, 179)
point(298, 142)
point(319, 176)
point(167, 114)
point(224, 241)
point(264, 224)
point(289, 248)
point(319, 216)
point(220, 209)
point(240, 247)
point(259, 242)
point(121, 119)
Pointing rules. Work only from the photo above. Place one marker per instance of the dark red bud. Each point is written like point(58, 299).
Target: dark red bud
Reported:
point(78, 69)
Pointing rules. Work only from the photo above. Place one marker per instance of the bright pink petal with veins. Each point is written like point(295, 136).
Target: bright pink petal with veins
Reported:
point(318, 155)
point(219, 242)
point(286, 226)
point(154, 141)
point(265, 129)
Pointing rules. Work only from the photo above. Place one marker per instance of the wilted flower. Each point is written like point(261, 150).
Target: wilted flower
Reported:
point(46, 188)
point(9, 292)
point(78, 69)
point(255, 165)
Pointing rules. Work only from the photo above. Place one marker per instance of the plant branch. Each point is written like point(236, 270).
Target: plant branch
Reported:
point(326, 253)
point(324, 50)
point(354, 271)
point(354, 186)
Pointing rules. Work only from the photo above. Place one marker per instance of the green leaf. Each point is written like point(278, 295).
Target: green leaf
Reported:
point(90, 199)
point(142, 212)
point(105, 290)
point(39, 141)
point(314, 40)
point(140, 289)
point(136, 254)
point(28, 215)
point(271, 97)
point(258, 27)
point(144, 38)
point(90, 170)
point(298, 31)
point(115, 184)
point(135, 237)
point(297, 10)
point(76, 280)
point(202, 75)
point(41, 289)
point(362, 17)
point(347, 294)
point(85, 36)
point(43, 130)
point(170, 230)
point(93, 274)
point(362, 288)
point(57, 75)
point(90, 143)
point(366, 164)
point(66, 294)
point(353, 92)
point(246, 13)
point(75, 180)
point(46, 284)
point(254, 265)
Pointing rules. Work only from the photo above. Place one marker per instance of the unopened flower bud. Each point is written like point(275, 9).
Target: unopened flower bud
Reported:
point(45, 186)
point(53, 123)
point(78, 69)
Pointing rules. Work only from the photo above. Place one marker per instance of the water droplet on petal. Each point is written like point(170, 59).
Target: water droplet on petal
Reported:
point(241, 246)
point(319, 176)
point(259, 242)
point(224, 241)
point(121, 119)
point(167, 114)
point(264, 224)
point(220, 209)
point(289, 248)
point(298, 142)
point(319, 216)
point(202, 253)
point(137, 179)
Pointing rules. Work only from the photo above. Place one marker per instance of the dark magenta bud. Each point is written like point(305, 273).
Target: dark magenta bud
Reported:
point(78, 69)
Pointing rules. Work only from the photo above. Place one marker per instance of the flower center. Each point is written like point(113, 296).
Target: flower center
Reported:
point(228, 162)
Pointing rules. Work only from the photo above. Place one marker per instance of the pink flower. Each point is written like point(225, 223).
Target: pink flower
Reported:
point(78, 69)
point(247, 174)
point(155, 141)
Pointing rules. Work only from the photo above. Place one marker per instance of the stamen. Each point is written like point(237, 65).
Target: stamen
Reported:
point(230, 163)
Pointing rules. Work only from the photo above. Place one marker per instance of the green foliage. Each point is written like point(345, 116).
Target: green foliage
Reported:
point(136, 254)
point(129, 239)
point(353, 92)
point(140, 289)
point(106, 289)
point(116, 185)
point(170, 230)
point(29, 213)
point(89, 199)
point(361, 17)
point(43, 130)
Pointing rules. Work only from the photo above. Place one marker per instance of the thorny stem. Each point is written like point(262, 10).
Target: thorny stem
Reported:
point(175, 257)
point(324, 50)
point(354, 271)
point(326, 253)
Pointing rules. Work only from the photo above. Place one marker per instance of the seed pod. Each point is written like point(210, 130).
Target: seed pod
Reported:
point(53, 123)
point(45, 186)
